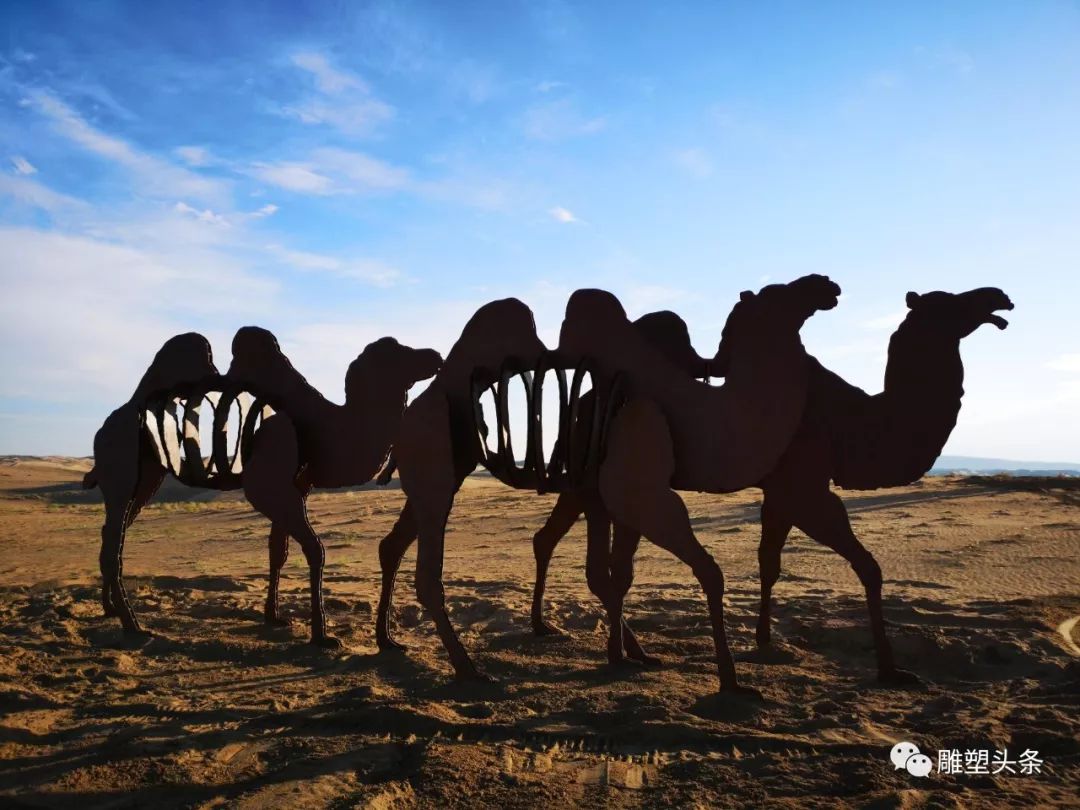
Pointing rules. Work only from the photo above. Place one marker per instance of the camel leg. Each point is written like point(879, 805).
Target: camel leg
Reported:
point(431, 474)
point(432, 511)
point(151, 474)
point(391, 550)
point(623, 547)
point(635, 487)
point(568, 508)
point(109, 560)
point(775, 527)
point(315, 553)
point(825, 520)
point(598, 574)
point(128, 475)
point(279, 554)
point(271, 487)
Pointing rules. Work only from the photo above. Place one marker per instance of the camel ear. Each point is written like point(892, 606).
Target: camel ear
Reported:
point(912, 300)
point(745, 295)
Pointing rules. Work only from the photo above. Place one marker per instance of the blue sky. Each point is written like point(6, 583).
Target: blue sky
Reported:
point(341, 171)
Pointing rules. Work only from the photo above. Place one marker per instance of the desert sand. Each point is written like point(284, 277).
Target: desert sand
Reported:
point(215, 710)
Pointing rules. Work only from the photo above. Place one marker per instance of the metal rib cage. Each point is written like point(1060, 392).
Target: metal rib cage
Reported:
point(173, 419)
point(582, 424)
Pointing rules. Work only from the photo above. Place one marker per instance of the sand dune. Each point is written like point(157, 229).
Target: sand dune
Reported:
point(215, 710)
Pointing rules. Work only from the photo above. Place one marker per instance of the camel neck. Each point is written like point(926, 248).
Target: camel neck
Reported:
point(923, 388)
point(924, 370)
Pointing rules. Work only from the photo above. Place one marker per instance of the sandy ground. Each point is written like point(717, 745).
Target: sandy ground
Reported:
point(216, 711)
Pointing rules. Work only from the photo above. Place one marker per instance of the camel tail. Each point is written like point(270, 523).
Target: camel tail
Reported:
point(90, 480)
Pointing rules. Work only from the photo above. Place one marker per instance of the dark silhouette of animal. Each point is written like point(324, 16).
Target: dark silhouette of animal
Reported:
point(667, 332)
point(847, 436)
point(290, 440)
point(861, 441)
point(672, 432)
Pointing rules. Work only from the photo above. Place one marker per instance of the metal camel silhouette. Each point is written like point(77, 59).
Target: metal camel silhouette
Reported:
point(672, 432)
point(847, 436)
point(667, 332)
point(289, 439)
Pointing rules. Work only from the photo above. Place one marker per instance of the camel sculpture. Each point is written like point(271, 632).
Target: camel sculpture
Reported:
point(672, 432)
point(290, 440)
point(669, 334)
point(859, 441)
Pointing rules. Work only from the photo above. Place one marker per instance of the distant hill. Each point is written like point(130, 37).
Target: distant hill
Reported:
point(946, 465)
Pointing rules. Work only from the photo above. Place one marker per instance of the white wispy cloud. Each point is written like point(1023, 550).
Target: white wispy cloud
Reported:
point(334, 171)
point(884, 79)
point(30, 192)
point(154, 174)
point(226, 220)
point(1065, 362)
point(328, 79)
point(564, 215)
point(359, 171)
point(694, 161)
point(298, 177)
point(371, 271)
point(86, 311)
point(548, 85)
point(342, 99)
point(888, 321)
point(559, 120)
point(22, 165)
point(197, 156)
point(206, 215)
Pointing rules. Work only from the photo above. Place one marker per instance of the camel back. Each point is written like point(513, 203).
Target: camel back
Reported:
point(725, 437)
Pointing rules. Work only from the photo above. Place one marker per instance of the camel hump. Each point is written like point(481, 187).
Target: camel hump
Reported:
point(496, 316)
point(593, 303)
point(591, 315)
point(496, 331)
point(182, 359)
point(259, 362)
point(253, 347)
point(668, 333)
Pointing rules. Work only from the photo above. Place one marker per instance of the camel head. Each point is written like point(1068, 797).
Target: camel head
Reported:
point(776, 309)
point(956, 315)
point(387, 366)
point(497, 331)
point(667, 332)
point(185, 358)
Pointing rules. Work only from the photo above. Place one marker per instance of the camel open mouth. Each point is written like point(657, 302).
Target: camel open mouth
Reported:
point(997, 320)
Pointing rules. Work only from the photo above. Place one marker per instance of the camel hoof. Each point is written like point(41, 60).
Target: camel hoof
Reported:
point(630, 664)
point(389, 644)
point(471, 674)
point(646, 660)
point(543, 628)
point(326, 642)
point(742, 691)
point(899, 677)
